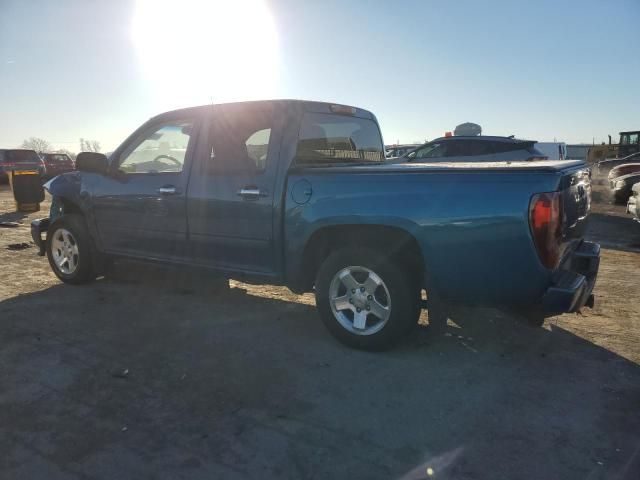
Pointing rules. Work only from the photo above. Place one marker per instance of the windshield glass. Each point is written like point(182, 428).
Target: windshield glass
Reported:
point(330, 138)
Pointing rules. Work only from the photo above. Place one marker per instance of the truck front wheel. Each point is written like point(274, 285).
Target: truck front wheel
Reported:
point(365, 299)
point(69, 249)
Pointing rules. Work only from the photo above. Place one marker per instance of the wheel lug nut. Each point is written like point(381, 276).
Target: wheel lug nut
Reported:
point(358, 310)
point(353, 290)
point(351, 300)
point(368, 307)
point(362, 289)
point(369, 297)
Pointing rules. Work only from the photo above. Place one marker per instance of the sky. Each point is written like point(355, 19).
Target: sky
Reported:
point(564, 69)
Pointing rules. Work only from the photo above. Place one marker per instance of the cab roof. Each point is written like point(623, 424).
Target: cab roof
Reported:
point(487, 138)
point(283, 104)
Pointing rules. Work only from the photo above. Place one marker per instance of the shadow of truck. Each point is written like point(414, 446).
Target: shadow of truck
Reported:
point(234, 384)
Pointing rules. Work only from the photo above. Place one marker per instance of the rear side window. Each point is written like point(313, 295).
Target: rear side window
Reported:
point(502, 147)
point(468, 148)
point(331, 138)
point(241, 139)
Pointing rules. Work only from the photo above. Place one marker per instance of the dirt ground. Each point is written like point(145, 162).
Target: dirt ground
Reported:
point(152, 373)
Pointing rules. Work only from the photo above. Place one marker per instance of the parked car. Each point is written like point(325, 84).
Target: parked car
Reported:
point(624, 169)
point(621, 186)
point(604, 166)
point(57, 163)
point(395, 151)
point(633, 204)
point(19, 159)
point(298, 193)
point(475, 149)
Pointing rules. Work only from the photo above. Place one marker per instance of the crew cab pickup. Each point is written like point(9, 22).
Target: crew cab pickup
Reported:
point(298, 193)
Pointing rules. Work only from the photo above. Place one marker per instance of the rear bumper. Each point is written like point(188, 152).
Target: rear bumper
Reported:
point(573, 284)
point(38, 228)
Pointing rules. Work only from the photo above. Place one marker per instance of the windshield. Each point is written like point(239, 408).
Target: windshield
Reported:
point(334, 139)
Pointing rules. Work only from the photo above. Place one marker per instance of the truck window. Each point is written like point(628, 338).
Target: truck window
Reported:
point(431, 150)
point(240, 140)
point(22, 156)
point(480, 147)
point(161, 150)
point(58, 158)
point(331, 138)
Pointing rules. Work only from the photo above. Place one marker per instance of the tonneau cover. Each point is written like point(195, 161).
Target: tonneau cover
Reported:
point(535, 166)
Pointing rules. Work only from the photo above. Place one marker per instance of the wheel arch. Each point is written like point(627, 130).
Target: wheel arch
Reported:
point(397, 243)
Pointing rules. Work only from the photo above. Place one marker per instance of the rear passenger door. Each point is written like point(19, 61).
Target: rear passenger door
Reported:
point(230, 194)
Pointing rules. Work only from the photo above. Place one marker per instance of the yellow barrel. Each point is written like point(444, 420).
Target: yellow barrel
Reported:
point(27, 189)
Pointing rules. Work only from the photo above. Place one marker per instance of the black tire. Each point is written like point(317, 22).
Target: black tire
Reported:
point(84, 271)
point(403, 291)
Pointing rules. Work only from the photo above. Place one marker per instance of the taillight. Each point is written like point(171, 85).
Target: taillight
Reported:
point(545, 220)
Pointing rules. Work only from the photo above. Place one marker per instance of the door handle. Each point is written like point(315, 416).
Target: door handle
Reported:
point(251, 193)
point(167, 190)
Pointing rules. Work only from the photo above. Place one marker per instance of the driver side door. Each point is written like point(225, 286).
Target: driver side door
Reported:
point(140, 208)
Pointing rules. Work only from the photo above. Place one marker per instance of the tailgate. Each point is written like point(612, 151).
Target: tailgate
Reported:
point(576, 204)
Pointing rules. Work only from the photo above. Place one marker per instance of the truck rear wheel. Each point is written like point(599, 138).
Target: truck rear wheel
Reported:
point(366, 300)
point(70, 250)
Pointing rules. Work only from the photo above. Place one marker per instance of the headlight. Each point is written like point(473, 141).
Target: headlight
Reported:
point(619, 184)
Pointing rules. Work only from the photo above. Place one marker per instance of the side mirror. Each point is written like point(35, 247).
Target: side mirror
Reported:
point(92, 162)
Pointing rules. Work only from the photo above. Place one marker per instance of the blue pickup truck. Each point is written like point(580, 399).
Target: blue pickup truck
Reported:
point(298, 193)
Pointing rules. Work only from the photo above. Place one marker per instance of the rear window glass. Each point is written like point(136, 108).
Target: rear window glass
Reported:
point(326, 139)
point(58, 158)
point(21, 156)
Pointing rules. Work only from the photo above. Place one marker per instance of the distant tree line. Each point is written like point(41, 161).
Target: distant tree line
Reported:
point(42, 146)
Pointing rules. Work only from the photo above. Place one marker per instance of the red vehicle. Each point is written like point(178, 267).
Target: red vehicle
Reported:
point(57, 163)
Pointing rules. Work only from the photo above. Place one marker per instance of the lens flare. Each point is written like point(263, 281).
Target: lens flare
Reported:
point(196, 51)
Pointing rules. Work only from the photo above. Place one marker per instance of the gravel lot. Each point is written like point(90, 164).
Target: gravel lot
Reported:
point(152, 373)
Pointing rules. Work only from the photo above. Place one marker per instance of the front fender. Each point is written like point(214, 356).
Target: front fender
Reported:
point(70, 194)
point(66, 186)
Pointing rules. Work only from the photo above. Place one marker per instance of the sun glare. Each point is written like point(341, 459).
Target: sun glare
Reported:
point(195, 51)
